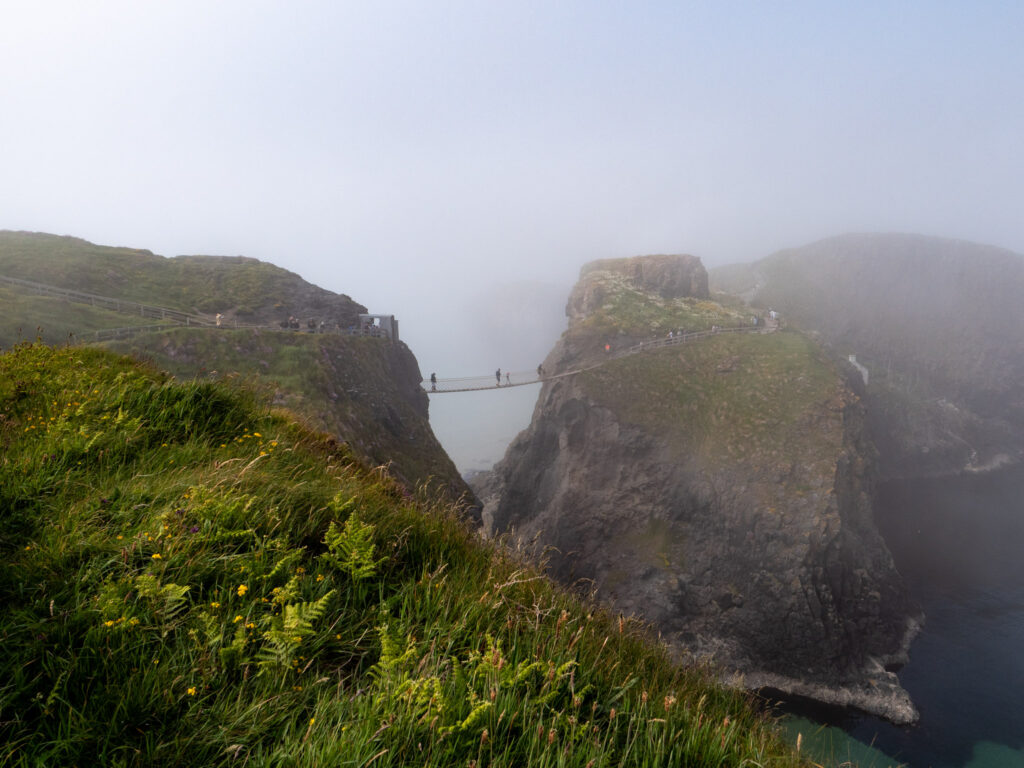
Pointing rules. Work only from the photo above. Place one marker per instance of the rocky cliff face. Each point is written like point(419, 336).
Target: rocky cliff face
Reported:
point(364, 391)
point(720, 489)
point(667, 277)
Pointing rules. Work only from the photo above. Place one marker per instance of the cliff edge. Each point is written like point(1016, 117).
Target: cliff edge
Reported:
point(720, 488)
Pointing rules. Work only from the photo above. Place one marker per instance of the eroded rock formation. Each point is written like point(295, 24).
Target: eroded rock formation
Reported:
point(720, 489)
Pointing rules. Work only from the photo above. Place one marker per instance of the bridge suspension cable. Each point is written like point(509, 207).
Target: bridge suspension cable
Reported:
point(437, 386)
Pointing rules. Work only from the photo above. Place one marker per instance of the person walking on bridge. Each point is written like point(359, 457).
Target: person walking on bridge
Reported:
point(508, 378)
point(497, 377)
point(433, 382)
point(540, 371)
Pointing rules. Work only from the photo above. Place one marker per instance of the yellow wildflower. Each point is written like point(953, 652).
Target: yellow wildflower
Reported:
point(156, 556)
point(191, 691)
point(237, 619)
point(242, 589)
point(215, 605)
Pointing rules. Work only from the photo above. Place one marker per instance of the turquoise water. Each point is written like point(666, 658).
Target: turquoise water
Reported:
point(832, 747)
point(959, 543)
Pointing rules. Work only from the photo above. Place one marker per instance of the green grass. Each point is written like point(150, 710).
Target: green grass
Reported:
point(349, 386)
point(28, 318)
point(189, 578)
point(247, 289)
point(631, 310)
point(730, 397)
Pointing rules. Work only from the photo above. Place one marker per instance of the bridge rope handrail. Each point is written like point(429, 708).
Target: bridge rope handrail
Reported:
point(515, 379)
point(177, 317)
point(106, 302)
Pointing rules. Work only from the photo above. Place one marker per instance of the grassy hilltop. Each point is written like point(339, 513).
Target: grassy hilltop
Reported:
point(250, 290)
point(366, 391)
point(189, 577)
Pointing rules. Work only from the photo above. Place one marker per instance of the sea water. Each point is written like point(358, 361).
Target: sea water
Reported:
point(959, 543)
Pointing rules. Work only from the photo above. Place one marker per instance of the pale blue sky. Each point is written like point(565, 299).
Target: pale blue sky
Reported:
point(409, 153)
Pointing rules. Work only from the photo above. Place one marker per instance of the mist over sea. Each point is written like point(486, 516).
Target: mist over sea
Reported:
point(959, 542)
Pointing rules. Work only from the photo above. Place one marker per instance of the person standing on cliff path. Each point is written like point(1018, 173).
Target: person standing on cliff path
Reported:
point(540, 371)
point(497, 376)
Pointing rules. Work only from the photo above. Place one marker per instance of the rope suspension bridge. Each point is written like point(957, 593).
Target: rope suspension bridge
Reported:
point(503, 380)
point(499, 380)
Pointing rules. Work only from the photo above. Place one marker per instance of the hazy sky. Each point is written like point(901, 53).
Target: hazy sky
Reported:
point(408, 153)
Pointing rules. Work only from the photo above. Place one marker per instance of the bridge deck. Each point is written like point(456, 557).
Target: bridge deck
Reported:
point(522, 378)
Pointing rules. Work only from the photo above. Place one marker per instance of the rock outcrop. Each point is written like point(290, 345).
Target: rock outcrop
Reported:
point(670, 277)
point(720, 489)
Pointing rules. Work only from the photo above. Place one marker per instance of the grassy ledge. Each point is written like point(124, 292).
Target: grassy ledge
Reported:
point(189, 578)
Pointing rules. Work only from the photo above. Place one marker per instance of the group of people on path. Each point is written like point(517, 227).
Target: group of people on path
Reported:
point(497, 378)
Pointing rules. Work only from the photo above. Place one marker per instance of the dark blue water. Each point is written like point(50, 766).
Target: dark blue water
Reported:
point(959, 543)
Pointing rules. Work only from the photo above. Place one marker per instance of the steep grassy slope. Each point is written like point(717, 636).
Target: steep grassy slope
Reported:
point(365, 391)
point(728, 398)
point(188, 578)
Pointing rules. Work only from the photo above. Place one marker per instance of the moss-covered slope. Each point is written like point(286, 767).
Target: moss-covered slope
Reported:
point(189, 578)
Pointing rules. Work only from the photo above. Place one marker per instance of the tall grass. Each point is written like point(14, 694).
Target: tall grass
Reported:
point(188, 578)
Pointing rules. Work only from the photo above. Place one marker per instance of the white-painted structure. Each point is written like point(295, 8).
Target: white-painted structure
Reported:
point(380, 324)
point(859, 367)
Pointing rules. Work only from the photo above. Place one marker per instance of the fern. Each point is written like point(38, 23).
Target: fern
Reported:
point(285, 562)
point(168, 600)
point(286, 594)
point(288, 631)
point(351, 548)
